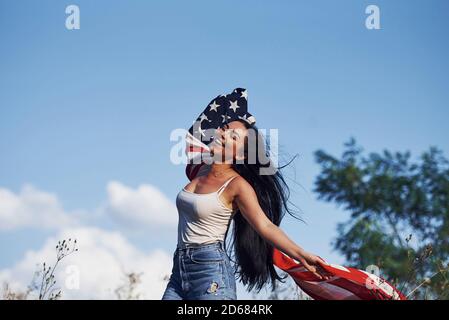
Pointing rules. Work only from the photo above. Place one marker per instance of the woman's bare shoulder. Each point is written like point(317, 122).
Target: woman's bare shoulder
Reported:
point(192, 183)
point(240, 185)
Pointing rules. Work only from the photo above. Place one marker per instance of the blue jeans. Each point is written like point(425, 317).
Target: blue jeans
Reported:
point(202, 272)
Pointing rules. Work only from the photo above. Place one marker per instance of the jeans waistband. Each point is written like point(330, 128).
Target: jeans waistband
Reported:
point(182, 248)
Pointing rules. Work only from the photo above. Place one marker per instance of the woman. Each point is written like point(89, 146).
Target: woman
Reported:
point(233, 189)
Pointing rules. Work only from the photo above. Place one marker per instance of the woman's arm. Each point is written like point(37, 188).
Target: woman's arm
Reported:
point(248, 204)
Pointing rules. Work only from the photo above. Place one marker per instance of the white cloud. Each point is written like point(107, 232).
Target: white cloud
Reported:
point(145, 206)
point(102, 260)
point(31, 208)
point(142, 207)
point(104, 257)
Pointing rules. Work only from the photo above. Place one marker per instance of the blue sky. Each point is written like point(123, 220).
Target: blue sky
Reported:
point(81, 108)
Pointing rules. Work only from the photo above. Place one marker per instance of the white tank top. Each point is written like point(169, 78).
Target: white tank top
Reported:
point(203, 218)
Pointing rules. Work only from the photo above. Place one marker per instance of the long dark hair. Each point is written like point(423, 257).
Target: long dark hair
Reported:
point(253, 255)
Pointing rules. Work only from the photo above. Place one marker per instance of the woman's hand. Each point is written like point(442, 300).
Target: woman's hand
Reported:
point(313, 263)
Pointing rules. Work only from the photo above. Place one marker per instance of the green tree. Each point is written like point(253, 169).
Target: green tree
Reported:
point(399, 215)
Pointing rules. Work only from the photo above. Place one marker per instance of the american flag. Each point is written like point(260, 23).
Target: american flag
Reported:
point(222, 109)
point(344, 282)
